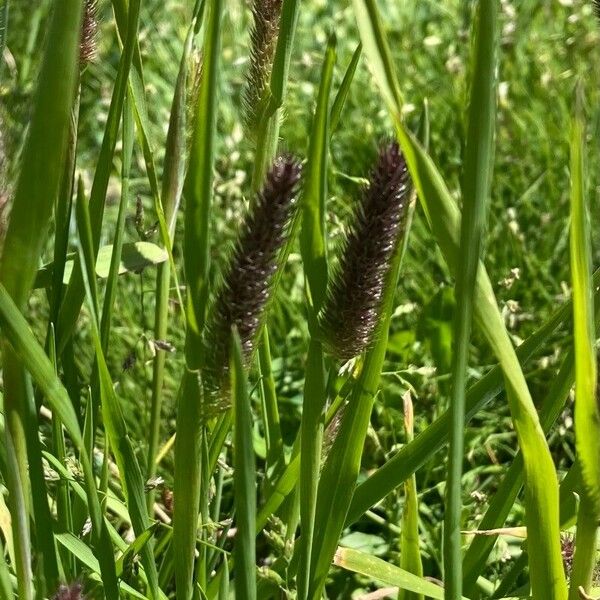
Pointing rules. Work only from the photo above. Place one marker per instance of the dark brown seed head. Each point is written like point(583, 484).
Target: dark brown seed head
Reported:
point(351, 310)
point(89, 32)
point(74, 591)
point(246, 287)
point(263, 39)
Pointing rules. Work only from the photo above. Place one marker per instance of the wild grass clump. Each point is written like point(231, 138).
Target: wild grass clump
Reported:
point(237, 449)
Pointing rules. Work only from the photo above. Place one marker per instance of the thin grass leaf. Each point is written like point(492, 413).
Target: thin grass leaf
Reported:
point(342, 94)
point(379, 570)
point(117, 246)
point(75, 292)
point(313, 245)
point(541, 490)
point(245, 477)
point(172, 188)
point(3, 27)
point(476, 180)
point(587, 403)
point(198, 190)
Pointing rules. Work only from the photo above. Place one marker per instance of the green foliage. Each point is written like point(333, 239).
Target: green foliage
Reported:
point(307, 475)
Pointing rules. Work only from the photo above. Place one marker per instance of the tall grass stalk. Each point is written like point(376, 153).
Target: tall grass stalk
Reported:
point(476, 180)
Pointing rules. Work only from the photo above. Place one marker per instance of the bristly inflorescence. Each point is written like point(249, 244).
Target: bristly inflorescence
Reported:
point(89, 32)
point(248, 277)
point(74, 591)
point(351, 309)
point(263, 38)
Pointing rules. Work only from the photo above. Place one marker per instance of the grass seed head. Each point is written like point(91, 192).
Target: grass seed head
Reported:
point(246, 287)
point(263, 39)
point(350, 313)
point(89, 33)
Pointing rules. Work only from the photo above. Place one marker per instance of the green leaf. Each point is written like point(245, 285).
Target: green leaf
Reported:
point(244, 482)
point(313, 245)
point(587, 403)
point(342, 94)
point(379, 570)
point(476, 178)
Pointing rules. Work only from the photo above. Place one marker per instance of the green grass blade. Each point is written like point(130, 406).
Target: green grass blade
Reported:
point(379, 570)
point(112, 411)
point(587, 407)
point(342, 94)
point(476, 188)
point(75, 292)
point(283, 53)
point(3, 26)
point(541, 491)
point(313, 246)
point(172, 188)
point(198, 188)
point(36, 190)
point(410, 552)
point(245, 478)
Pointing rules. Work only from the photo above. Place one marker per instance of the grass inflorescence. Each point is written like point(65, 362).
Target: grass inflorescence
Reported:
point(246, 283)
point(350, 314)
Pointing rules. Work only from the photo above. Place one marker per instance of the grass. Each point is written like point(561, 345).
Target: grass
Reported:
point(217, 421)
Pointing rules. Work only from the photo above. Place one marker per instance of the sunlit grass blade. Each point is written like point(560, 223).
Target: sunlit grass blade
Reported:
point(245, 478)
point(379, 570)
point(541, 489)
point(476, 178)
point(587, 403)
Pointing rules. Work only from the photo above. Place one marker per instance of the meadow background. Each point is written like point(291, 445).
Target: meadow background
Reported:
point(545, 47)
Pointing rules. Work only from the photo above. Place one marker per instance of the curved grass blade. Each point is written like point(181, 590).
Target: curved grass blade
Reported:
point(244, 481)
point(476, 180)
point(541, 490)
